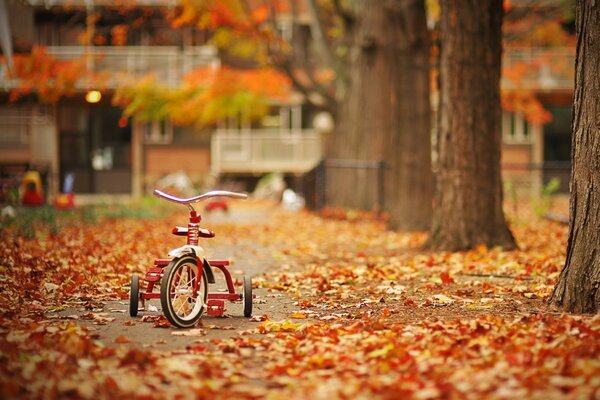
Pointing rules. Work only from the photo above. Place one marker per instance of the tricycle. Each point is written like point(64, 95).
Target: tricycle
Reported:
point(183, 278)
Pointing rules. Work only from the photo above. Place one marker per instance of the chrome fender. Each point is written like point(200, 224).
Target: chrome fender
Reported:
point(197, 251)
point(188, 249)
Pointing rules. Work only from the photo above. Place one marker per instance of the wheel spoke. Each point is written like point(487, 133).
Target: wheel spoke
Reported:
point(175, 282)
point(181, 307)
point(183, 290)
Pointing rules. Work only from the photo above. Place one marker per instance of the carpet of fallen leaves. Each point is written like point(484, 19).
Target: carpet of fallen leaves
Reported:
point(379, 317)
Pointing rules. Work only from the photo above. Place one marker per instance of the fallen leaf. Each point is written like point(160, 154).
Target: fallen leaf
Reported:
point(446, 278)
point(189, 332)
point(121, 339)
point(442, 299)
point(259, 318)
point(221, 327)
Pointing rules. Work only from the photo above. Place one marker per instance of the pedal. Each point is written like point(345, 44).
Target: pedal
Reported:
point(215, 308)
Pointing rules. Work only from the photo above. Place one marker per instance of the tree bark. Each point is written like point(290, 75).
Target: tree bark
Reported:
point(384, 114)
point(363, 113)
point(468, 200)
point(578, 286)
point(409, 176)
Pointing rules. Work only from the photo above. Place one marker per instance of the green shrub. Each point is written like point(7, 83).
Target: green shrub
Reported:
point(29, 222)
point(543, 205)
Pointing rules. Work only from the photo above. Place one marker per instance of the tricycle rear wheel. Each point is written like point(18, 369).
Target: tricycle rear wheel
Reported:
point(247, 296)
point(134, 295)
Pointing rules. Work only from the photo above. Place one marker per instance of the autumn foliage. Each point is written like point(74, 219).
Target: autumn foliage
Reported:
point(539, 32)
point(45, 75)
point(206, 96)
point(247, 29)
point(373, 317)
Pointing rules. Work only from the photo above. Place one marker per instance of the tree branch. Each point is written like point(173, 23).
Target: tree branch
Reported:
point(310, 73)
point(284, 63)
point(344, 15)
point(316, 28)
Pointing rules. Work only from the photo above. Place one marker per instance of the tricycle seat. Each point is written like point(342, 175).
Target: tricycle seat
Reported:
point(202, 232)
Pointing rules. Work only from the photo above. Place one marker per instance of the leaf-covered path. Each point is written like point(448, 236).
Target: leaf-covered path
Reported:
point(353, 311)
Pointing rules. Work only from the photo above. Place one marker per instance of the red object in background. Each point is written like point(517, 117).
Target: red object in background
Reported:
point(216, 205)
point(32, 198)
point(31, 189)
point(65, 201)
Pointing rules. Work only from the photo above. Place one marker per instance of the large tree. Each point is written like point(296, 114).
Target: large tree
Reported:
point(578, 287)
point(468, 199)
point(385, 112)
point(409, 177)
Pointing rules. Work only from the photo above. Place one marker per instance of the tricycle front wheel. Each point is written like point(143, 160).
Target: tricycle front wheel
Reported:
point(183, 291)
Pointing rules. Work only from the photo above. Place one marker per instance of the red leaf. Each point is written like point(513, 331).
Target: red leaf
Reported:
point(446, 278)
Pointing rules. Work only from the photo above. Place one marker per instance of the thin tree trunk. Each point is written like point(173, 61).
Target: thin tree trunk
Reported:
point(468, 200)
point(578, 287)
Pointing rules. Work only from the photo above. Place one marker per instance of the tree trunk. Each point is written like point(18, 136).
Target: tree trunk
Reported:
point(409, 177)
point(578, 286)
point(384, 113)
point(468, 200)
point(362, 120)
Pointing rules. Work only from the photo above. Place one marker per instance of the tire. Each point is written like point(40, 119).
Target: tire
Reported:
point(179, 305)
point(247, 296)
point(134, 295)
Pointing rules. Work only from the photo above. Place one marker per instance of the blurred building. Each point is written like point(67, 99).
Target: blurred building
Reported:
point(87, 137)
point(535, 153)
point(538, 64)
point(107, 155)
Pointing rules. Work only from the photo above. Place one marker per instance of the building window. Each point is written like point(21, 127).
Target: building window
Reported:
point(158, 132)
point(285, 119)
point(15, 125)
point(515, 128)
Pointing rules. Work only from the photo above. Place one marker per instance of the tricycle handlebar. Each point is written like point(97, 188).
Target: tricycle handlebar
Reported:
point(207, 195)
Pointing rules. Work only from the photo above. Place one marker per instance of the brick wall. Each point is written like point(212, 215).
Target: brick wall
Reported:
point(160, 161)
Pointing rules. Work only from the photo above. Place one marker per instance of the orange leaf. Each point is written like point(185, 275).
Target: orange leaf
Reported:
point(121, 339)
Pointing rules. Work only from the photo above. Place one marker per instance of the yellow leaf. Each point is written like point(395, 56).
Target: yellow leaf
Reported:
point(381, 352)
point(281, 326)
point(298, 316)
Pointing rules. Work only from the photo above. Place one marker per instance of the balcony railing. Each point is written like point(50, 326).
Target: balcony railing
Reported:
point(525, 68)
point(168, 63)
point(86, 3)
point(263, 151)
point(538, 68)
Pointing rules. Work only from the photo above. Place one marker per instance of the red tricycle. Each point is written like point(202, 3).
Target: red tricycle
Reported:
point(183, 278)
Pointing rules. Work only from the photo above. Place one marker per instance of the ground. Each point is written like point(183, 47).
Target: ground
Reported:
point(344, 308)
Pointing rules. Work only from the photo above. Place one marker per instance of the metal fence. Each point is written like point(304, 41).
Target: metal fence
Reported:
point(315, 182)
point(530, 180)
point(525, 181)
